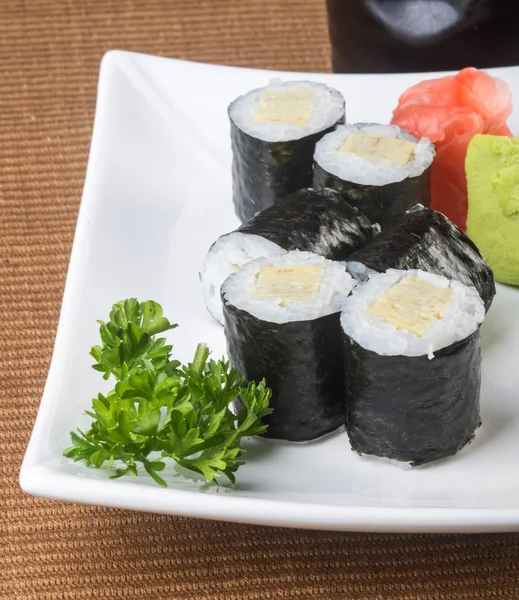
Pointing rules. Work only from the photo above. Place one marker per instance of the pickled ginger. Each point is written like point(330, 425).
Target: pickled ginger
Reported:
point(450, 111)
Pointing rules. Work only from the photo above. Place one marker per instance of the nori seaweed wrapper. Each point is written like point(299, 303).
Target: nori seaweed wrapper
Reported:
point(301, 362)
point(425, 239)
point(263, 172)
point(313, 221)
point(382, 204)
point(412, 408)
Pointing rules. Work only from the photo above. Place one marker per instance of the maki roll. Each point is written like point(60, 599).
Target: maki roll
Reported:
point(412, 359)
point(426, 239)
point(274, 130)
point(381, 169)
point(314, 221)
point(282, 322)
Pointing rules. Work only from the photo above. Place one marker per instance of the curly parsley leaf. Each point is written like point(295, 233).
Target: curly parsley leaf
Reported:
point(196, 414)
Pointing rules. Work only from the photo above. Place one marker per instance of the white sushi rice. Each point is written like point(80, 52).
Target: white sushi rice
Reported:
point(359, 271)
point(363, 171)
point(462, 316)
point(336, 285)
point(225, 255)
point(328, 108)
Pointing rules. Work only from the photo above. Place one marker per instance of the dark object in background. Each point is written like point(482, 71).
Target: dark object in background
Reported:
point(302, 363)
point(426, 239)
point(385, 36)
point(412, 408)
point(317, 221)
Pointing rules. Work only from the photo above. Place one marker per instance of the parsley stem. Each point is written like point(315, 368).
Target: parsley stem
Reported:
point(201, 354)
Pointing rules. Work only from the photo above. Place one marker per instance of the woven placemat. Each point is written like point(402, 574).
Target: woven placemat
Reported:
point(49, 60)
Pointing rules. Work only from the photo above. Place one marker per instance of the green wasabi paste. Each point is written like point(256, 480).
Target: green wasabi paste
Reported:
point(492, 167)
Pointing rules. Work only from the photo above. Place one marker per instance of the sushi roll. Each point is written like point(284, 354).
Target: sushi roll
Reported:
point(426, 239)
point(412, 360)
point(381, 169)
point(274, 130)
point(314, 221)
point(282, 323)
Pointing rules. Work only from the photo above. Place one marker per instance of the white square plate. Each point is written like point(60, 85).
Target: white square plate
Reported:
point(157, 193)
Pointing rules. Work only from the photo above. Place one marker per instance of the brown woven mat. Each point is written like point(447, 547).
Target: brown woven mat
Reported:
point(49, 60)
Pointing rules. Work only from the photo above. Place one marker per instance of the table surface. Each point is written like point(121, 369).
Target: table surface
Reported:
point(49, 55)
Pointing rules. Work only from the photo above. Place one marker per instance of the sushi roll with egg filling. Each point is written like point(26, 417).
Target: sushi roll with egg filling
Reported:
point(412, 363)
point(282, 323)
point(313, 221)
point(381, 169)
point(426, 239)
point(274, 131)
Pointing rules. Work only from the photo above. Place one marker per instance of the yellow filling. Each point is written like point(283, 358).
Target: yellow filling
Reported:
point(412, 304)
point(285, 106)
point(288, 282)
point(374, 147)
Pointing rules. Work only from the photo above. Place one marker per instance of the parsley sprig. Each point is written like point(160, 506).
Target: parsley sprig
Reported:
point(162, 408)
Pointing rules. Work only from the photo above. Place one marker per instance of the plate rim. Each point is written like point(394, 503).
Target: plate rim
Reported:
point(43, 481)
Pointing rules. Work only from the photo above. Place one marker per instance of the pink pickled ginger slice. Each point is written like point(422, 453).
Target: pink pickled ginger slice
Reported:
point(450, 111)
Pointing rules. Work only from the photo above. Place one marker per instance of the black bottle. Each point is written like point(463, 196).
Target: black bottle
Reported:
point(382, 36)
